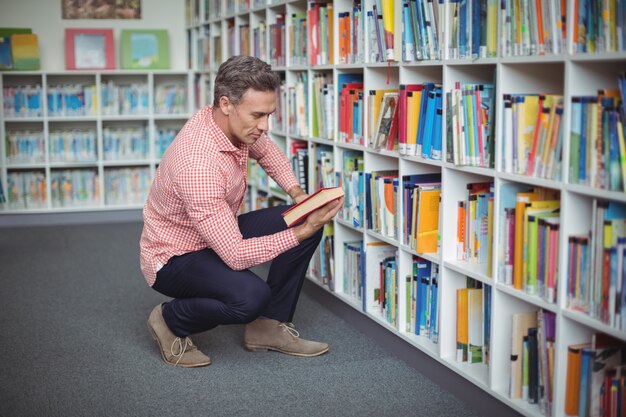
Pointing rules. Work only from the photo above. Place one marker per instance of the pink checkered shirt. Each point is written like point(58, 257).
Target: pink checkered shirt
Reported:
point(197, 192)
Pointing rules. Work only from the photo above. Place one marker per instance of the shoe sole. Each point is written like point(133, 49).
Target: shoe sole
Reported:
point(258, 348)
point(156, 339)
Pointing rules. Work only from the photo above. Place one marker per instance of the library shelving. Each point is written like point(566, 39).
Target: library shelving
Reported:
point(86, 140)
point(368, 258)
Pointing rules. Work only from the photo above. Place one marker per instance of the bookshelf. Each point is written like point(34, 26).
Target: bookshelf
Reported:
point(97, 152)
point(564, 73)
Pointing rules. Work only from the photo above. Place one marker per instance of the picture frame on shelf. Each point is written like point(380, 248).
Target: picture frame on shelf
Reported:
point(89, 49)
point(145, 49)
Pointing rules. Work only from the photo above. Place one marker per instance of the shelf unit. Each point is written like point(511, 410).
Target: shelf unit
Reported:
point(101, 157)
point(566, 74)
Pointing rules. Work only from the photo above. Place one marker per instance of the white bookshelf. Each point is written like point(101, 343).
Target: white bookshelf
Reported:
point(566, 74)
point(107, 166)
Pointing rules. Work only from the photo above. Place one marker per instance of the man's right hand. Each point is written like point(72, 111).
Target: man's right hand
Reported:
point(317, 219)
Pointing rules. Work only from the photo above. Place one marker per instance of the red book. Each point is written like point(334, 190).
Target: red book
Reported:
point(320, 198)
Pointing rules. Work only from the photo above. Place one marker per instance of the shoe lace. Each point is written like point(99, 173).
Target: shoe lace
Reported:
point(181, 349)
point(290, 328)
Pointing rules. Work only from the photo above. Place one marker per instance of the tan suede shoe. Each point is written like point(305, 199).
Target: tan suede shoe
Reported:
point(174, 350)
point(266, 334)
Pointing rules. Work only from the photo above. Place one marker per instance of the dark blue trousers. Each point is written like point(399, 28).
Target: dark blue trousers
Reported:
point(207, 293)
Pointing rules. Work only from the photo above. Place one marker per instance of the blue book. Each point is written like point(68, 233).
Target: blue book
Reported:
point(428, 129)
point(476, 27)
point(462, 28)
point(433, 328)
point(586, 363)
point(426, 89)
point(424, 271)
point(408, 43)
point(437, 136)
point(6, 59)
point(368, 199)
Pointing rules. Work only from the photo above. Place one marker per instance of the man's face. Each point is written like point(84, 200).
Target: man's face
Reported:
point(250, 118)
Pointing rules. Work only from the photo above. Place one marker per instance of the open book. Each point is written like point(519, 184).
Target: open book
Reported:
point(316, 200)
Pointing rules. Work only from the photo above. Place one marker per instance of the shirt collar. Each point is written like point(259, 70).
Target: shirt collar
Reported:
point(222, 143)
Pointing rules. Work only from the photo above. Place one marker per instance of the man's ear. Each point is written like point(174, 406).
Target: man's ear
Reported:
point(225, 105)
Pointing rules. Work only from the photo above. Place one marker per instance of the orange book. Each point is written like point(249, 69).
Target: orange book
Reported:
point(428, 220)
point(321, 197)
point(572, 385)
point(462, 324)
point(460, 231)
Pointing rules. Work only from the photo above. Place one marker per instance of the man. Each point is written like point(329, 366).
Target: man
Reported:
point(194, 247)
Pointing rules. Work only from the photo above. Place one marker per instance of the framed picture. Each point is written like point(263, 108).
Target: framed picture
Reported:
point(88, 49)
point(145, 49)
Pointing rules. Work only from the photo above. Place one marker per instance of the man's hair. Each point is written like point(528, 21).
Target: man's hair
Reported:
point(240, 73)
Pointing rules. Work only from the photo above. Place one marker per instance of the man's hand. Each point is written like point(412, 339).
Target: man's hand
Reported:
point(297, 194)
point(299, 198)
point(317, 219)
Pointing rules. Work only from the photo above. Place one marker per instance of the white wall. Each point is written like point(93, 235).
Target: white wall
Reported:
point(44, 17)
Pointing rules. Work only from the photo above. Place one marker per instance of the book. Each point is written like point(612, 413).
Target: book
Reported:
point(316, 200)
point(25, 52)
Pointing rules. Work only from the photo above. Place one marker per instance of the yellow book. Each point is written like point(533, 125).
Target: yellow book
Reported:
point(428, 220)
point(530, 110)
point(413, 105)
point(388, 26)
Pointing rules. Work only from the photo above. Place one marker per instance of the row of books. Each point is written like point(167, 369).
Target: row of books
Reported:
point(74, 145)
point(422, 294)
point(599, 27)
point(353, 182)
point(170, 99)
point(351, 34)
point(597, 141)
point(381, 31)
point(26, 190)
point(419, 120)
point(22, 101)
point(475, 225)
point(473, 322)
point(278, 119)
point(323, 106)
point(381, 202)
point(299, 155)
point(126, 143)
point(421, 206)
point(350, 115)
point(298, 41)
point(126, 186)
point(278, 42)
point(353, 269)
point(422, 30)
point(596, 381)
point(529, 236)
point(470, 124)
point(597, 266)
point(74, 187)
point(297, 111)
point(323, 261)
point(25, 146)
point(533, 336)
point(72, 100)
point(320, 33)
point(530, 28)
point(533, 134)
point(125, 99)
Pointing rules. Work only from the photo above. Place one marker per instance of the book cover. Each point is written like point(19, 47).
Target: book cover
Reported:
point(428, 223)
point(316, 200)
point(145, 49)
point(6, 58)
point(475, 325)
point(25, 52)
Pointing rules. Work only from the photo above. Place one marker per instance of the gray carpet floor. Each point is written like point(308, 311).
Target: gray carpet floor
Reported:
point(75, 343)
